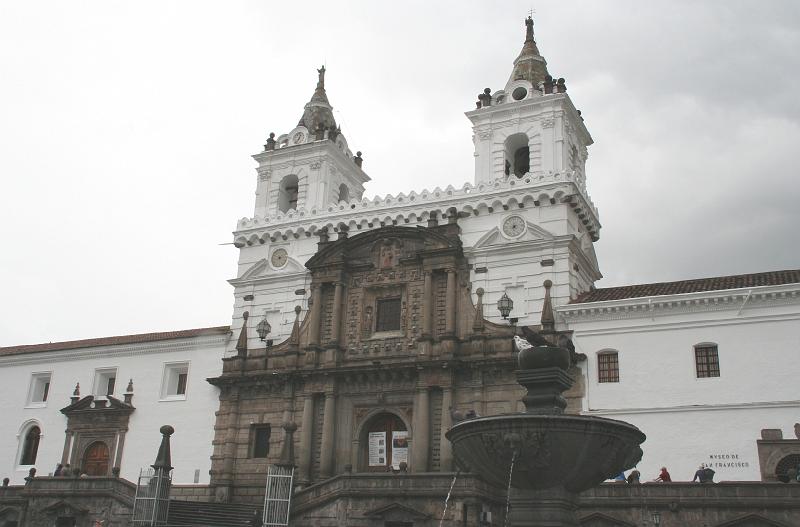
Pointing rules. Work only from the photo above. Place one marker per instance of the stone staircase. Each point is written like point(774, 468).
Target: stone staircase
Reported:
point(204, 514)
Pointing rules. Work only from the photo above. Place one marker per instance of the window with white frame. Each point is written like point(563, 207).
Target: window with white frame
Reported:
point(174, 381)
point(39, 389)
point(105, 380)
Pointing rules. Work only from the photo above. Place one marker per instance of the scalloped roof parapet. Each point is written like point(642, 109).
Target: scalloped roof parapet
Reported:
point(342, 208)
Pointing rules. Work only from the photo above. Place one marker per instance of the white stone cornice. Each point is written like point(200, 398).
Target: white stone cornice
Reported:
point(122, 350)
point(662, 305)
point(759, 405)
point(416, 206)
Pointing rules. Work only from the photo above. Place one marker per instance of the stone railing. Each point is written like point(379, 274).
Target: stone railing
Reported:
point(417, 206)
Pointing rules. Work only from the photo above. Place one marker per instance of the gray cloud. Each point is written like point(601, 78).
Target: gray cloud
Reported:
point(127, 133)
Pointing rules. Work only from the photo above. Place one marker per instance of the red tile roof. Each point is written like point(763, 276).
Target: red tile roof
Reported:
point(113, 341)
point(716, 283)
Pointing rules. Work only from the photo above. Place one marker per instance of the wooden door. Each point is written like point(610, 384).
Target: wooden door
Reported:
point(382, 428)
point(95, 461)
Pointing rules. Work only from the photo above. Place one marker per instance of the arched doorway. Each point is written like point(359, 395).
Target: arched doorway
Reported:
point(95, 461)
point(787, 468)
point(386, 443)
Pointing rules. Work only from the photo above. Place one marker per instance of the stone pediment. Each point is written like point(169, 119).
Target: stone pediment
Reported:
point(601, 520)
point(751, 520)
point(107, 404)
point(396, 511)
point(385, 247)
point(262, 269)
point(533, 233)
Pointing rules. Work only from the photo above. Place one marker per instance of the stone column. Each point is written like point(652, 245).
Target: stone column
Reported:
point(450, 304)
point(336, 316)
point(427, 305)
point(316, 309)
point(445, 447)
point(67, 447)
point(307, 427)
point(229, 449)
point(328, 429)
point(420, 447)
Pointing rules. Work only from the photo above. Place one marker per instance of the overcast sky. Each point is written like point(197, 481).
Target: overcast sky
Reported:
point(126, 130)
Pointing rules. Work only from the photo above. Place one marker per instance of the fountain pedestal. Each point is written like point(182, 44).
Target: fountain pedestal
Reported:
point(554, 507)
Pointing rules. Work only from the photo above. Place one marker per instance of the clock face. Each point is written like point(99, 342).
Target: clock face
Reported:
point(514, 226)
point(279, 258)
point(298, 137)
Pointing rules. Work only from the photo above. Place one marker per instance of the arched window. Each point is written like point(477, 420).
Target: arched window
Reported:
point(287, 193)
point(706, 360)
point(608, 366)
point(30, 446)
point(517, 155)
point(344, 193)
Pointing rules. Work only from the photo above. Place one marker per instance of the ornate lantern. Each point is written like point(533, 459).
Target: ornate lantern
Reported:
point(505, 305)
point(263, 328)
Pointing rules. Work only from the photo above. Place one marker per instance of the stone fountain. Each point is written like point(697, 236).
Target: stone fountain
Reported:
point(544, 457)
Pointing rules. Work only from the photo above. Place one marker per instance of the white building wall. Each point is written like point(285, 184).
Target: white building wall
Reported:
point(688, 419)
point(193, 418)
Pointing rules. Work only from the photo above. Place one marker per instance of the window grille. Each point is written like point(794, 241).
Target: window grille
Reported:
point(706, 358)
point(388, 317)
point(608, 367)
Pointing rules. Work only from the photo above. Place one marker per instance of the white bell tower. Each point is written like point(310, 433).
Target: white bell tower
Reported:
point(309, 168)
point(530, 126)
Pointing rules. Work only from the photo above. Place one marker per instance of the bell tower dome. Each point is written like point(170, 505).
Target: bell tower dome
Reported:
point(530, 126)
point(310, 167)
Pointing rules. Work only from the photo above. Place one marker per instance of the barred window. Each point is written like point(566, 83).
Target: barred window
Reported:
point(388, 317)
point(608, 366)
point(706, 358)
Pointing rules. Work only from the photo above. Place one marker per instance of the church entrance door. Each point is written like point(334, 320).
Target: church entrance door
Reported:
point(95, 462)
point(386, 442)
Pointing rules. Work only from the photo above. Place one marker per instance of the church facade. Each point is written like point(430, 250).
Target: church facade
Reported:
point(362, 328)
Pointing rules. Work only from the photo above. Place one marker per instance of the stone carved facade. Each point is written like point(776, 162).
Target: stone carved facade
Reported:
point(346, 366)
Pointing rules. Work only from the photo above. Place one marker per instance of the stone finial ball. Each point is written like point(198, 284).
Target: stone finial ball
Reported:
point(297, 309)
point(167, 430)
point(479, 291)
point(358, 154)
point(487, 91)
point(548, 284)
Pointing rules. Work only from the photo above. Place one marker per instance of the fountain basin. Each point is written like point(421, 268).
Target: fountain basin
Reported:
point(571, 452)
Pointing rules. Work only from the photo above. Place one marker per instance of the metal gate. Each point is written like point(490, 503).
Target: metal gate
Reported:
point(151, 504)
point(278, 497)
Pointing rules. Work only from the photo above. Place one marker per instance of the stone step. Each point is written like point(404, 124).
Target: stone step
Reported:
point(207, 514)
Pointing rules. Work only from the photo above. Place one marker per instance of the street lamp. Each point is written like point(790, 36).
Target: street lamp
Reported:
point(263, 328)
point(505, 305)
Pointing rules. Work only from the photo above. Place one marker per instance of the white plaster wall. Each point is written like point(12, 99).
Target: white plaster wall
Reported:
point(192, 418)
point(688, 418)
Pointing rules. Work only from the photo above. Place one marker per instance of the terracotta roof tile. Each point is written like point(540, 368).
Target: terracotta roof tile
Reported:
point(113, 341)
point(716, 283)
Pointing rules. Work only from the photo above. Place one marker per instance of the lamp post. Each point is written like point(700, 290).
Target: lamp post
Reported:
point(263, 328)
point(505, 305)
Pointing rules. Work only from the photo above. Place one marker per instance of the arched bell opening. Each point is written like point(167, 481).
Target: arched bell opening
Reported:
point(517, 154)
point(287, 193)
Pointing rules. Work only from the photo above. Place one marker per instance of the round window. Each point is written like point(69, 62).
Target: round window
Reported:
point(519, 93)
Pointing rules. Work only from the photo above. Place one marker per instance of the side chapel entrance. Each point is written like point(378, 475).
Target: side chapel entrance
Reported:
point(95, 461)
point(386, 443)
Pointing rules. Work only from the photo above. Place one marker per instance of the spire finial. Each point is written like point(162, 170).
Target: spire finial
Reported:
point(241, 344)
point(321, 81)
point(529, 27)
point(548, 320)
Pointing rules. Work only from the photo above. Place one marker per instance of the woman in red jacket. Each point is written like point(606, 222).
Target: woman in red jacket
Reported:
point(664, 476)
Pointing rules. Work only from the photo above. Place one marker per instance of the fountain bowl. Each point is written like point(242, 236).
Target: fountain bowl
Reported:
point(571, 452)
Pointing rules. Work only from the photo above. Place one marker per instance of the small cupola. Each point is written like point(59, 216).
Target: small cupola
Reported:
point(530, 68)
